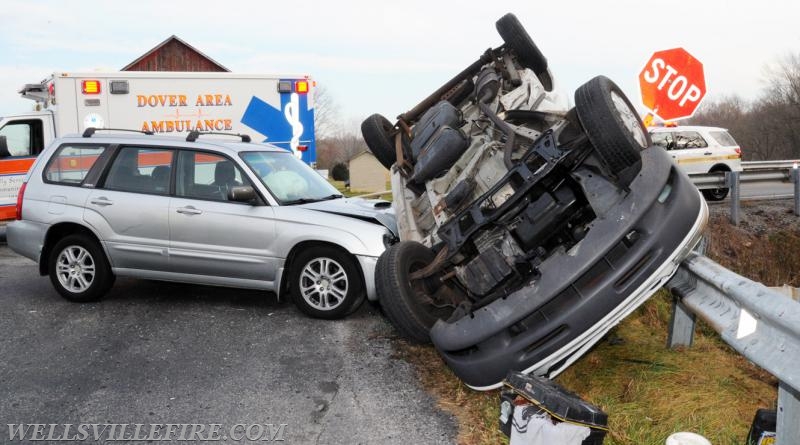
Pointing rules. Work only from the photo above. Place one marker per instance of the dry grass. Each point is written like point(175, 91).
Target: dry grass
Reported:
point(649, 391)
point(773, 257)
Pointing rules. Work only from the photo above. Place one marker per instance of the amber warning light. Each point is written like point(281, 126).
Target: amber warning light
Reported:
point(90, 86)
point(301, 86)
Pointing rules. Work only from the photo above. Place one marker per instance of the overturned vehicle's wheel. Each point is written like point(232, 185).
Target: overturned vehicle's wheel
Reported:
point(409, 303)
point(528, 54)
point(377, 132)
point(612, 126)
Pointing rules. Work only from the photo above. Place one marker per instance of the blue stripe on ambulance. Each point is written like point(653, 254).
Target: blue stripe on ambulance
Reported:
point(272, 122)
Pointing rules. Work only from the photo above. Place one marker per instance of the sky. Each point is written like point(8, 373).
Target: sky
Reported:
point(381, 56)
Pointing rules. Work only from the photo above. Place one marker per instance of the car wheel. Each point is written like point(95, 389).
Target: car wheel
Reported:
point(715, 194)
point(613, 127)
point(377, 131)
point(79, 269)
point(528, 54)
point(407, 304)
point(325, 283)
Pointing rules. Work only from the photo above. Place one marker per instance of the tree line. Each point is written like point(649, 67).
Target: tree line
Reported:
point(768, 127)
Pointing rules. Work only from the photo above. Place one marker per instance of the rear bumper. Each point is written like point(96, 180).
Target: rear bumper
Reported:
point(26, 238)
point(547, 325)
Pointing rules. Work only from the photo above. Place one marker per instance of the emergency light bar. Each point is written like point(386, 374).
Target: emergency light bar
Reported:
point(90, 86)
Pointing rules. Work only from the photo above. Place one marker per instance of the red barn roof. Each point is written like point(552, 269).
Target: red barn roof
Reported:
point(174, 54)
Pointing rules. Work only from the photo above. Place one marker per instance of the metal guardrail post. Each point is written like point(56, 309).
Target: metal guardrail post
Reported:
point(788, 428)
point(796, 180)
point(681, 325)
point(732, 182)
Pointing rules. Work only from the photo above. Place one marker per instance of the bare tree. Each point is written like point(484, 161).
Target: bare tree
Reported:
point(326, 113)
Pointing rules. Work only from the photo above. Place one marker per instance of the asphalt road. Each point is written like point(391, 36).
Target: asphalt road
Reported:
point(157, 353)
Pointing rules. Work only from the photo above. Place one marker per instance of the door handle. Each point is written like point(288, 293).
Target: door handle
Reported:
point(189, 210)
point(102, 201)
point(708, 153)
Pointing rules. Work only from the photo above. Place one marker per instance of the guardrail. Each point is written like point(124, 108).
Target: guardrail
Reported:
point(754, 171)
point(759, 323)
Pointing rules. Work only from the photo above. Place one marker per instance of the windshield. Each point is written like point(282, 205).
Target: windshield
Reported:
point(289, 179)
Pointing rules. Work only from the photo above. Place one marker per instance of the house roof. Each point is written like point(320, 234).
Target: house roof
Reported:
point(168, 40)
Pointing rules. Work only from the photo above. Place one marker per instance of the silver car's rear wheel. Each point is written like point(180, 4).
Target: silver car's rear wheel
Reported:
point(323, 284)
point(79, 269)
point(75, 269)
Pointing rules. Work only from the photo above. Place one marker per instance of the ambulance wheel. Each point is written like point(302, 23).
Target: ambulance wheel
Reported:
point(377, 132)
point(613, 127)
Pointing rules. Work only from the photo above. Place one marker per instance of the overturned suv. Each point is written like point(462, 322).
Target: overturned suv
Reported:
point(527, 230)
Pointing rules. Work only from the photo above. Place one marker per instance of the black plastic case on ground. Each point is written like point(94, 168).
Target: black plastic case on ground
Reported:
point(561, 404)
point(443, 114)
point(763, 427)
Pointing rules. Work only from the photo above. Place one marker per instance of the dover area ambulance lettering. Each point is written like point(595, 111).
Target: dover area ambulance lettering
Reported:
point(187, 122)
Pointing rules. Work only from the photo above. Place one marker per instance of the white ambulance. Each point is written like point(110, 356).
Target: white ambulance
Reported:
point(270, 108)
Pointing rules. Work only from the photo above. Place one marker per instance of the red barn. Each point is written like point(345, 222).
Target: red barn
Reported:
point(174, 54)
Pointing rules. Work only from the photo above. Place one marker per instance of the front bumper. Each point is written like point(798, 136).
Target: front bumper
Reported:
point(626, 257)
point(368, 264)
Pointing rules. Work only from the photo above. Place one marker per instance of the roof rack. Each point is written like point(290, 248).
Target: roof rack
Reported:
point(89, 131)
point(193, 135)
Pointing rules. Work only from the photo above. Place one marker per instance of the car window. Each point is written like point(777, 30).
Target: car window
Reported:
point(206, 176)
point(289, 179)
point(689, 139)
point(723, 138)
point(141, 170)
point(18, 138)
point(71, 163)
point(663, 139)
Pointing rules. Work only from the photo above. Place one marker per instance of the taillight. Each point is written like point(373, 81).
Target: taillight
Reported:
point(301, 87)
point(90, 86)
point(302, 148)
point(20, 195)
point(738, 151)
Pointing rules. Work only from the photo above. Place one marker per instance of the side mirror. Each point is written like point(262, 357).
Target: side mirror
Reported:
point(243, 193)
point(4, 153)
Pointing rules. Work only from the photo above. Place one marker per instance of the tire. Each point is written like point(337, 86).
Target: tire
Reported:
point(377, 131)
point(79, 269)
point(613, 127)
point(718, 194)
point(399, 298)
point(325, 283)
point(528, 54)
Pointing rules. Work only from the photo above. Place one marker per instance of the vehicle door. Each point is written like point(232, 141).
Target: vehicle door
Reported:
point(693, 152)
point(211, 235)
point(129, 207)
point(21, 140)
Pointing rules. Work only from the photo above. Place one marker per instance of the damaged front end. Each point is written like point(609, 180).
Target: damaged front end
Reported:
point(527, 230)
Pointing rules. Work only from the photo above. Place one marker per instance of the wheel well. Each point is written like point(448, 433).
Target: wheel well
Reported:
point(299, 247)
point(720, 168)
point(54, 234)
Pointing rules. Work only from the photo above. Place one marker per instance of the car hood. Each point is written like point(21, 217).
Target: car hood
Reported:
point(376, 211)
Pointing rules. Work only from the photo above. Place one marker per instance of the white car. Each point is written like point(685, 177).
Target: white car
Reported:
point(699, 150)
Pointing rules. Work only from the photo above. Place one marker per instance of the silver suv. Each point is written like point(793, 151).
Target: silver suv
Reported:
point(205, 211)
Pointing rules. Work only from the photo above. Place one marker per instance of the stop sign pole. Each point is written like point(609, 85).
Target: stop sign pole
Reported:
point(672, 84)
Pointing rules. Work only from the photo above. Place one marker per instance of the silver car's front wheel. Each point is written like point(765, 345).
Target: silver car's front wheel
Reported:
point(75, 269)
point(325, 282)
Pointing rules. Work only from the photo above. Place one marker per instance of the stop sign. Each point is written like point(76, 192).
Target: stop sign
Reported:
point(672, 84)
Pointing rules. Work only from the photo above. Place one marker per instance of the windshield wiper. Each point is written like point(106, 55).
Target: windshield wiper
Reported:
point(333, 196)
point(310, 200)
